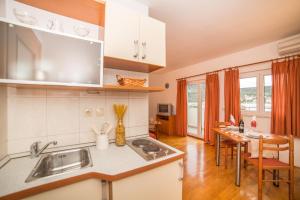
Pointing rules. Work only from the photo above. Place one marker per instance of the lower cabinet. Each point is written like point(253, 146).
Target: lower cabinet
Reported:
point(160, 183)
point(90, 189)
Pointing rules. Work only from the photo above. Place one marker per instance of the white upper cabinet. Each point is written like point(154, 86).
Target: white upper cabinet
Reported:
point(152, 41)
point(133, 37)
point(33, 55)
point(121, 32)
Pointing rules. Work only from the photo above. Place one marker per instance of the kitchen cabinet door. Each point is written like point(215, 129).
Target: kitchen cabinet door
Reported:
point(121, 32)
point(152, 41)
point(161, 183)
point(90, 189)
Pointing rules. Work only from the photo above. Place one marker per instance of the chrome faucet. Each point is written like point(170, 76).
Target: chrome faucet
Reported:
point(35, 151)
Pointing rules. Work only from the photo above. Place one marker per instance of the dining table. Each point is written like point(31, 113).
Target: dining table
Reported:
point(240, 139)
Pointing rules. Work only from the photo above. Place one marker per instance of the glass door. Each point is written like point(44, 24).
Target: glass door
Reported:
point(195, 108)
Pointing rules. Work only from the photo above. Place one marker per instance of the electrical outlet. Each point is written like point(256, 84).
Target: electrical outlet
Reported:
point(88, 111)
point(100, 112)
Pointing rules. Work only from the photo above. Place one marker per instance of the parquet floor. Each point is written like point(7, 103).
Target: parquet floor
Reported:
point(204, 180)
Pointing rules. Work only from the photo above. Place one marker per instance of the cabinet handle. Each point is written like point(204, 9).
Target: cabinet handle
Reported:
point(181, 171)
point(144, 50)
point(136, 47)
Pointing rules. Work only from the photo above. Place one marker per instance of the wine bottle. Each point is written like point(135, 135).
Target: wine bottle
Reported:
point(241, 126)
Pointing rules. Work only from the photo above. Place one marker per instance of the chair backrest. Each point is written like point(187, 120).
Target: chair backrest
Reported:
point(277, 143)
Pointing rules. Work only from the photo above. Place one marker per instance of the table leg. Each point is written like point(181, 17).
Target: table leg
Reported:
point(238, 164)
point(245, 152)
point(218, 138)
point(276, 177)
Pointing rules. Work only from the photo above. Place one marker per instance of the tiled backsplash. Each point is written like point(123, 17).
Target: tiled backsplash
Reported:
point(68, 115)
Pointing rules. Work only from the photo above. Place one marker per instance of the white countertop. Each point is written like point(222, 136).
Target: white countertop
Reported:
point(112, 161)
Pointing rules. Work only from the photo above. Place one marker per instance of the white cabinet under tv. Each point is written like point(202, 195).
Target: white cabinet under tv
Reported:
point(36, 56)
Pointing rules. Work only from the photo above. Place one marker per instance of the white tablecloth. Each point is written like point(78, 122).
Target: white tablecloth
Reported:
point(253, 145)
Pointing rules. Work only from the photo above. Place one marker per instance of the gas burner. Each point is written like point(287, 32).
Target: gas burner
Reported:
point(141, 142)
point(151, 149)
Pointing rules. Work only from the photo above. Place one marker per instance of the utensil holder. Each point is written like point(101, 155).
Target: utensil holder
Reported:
point(102, 142)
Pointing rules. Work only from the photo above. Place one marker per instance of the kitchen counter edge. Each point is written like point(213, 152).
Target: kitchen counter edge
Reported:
point(67, 181)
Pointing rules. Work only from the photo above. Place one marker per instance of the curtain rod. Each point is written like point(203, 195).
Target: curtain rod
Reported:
point(244, 65)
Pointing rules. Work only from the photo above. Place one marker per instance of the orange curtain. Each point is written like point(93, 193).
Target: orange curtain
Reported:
point(285, 119)
point(181, 108)
point(212, 101)
point(232, 94)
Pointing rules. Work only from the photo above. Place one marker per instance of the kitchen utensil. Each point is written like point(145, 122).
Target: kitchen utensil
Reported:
point(81, 31)
point(54, 24)
point(102, 141)
point(24, 17)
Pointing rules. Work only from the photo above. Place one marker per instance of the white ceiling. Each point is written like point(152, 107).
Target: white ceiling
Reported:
point(199, 30)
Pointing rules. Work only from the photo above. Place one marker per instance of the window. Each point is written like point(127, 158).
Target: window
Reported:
point(248, 94)
point(267, 93)
point(195, 108)
point(256, 92)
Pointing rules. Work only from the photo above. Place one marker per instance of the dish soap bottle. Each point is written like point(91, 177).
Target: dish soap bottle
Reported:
point(241, 126)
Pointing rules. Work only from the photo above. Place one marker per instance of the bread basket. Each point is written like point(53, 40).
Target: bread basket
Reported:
point(134, 82)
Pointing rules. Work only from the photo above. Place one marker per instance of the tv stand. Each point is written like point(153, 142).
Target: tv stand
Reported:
point(167, 124)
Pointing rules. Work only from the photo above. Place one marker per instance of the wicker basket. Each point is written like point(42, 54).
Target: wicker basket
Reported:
point(131, 81)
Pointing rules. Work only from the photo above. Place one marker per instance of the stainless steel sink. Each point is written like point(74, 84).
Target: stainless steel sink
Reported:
point(60, 162)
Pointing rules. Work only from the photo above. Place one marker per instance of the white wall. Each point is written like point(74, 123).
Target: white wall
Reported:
point(45, 114)
point(3, 133)
point(134, 5)
point(259, 53)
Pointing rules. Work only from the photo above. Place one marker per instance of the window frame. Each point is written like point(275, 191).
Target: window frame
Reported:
point(199, 133)
point(262, 83)
point(260, 107)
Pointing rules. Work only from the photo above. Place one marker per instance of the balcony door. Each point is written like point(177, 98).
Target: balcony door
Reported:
point(195, 108)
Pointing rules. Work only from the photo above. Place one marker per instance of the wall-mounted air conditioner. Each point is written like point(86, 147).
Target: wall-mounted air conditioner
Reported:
point(289, 46)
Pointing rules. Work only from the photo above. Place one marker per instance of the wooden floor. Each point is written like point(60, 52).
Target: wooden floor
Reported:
point(204, 180)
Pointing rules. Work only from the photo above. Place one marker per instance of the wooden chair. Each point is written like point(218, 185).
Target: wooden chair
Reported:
point(276, 144)
point(226, 143)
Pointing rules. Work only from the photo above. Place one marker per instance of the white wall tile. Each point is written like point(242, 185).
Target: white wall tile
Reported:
point(62, 116)
point(92, 93)
point(92, 111)
point(138, 112)
point(114, 94)
point(138, 95)
point(46, 115)
point(26, 117)
point(62, 93)
point(86, 137)
point(137, 131)
point(25, 92)
point(64, 140)
point(23, 145)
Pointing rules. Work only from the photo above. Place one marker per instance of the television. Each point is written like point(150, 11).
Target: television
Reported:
point(164, 109)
